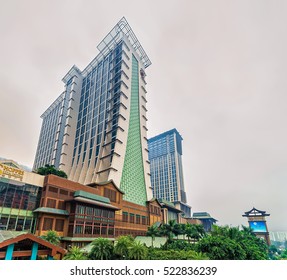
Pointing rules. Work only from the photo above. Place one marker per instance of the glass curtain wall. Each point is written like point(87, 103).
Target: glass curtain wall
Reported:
point(17, 201)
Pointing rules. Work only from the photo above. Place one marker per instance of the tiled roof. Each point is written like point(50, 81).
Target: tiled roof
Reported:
point(91, 196)
point(201, 214)
point(10, 237)
point(52, 211)
point(89, 246)
point(9, 234)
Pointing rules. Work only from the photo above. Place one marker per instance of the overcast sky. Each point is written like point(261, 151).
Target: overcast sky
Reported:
point(218, 76)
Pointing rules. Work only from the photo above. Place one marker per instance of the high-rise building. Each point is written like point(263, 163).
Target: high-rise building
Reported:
point(96, 130)
point(165, 152)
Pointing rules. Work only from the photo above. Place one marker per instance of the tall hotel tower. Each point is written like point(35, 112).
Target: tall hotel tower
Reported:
point(96, 130)
point(165, 151)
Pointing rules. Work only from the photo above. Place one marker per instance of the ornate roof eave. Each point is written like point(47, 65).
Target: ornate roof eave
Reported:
point(255, 213)
point(154, 200)
point(106, 183)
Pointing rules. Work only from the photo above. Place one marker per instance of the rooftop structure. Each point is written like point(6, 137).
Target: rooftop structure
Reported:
point(257, 222)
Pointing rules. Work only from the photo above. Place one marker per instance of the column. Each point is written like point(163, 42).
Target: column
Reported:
point(34, 251)
point(9, 252)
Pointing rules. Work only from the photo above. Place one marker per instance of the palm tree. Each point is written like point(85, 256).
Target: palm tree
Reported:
point(234, 233)
point(169, 230)
point(247, 231)
point(189, 232)
point(52, 237)
point(183, 227)
point(75, 253)
point(152, 231)
point(194, 232)
point(200, 231)
point(219, 230)
point(178, 229)
point(102, 249)
point(122, 246)
point(137, 251)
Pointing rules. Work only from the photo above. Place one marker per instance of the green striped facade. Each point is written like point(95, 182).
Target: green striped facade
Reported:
point(133, 180)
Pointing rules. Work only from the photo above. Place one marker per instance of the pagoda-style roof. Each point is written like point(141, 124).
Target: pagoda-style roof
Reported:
point(154, 200)
point(167, 204)
point(203, 216)
point(51, 211)
point(94, 199)
point(255, 213)
point(106, 183)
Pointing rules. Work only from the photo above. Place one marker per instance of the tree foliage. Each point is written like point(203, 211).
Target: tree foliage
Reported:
point(50, 169)
point(169, 230)
point(137, 251)
point(122, 246)
point(102, 249)
point(230, 243)
point(127, 248)
point(223, 243)
point(52, 237)
point(75, 253)
point(194, 232)
point(180, 245)
point(160, 254)
point(152, 231)
point(221, 248)
point(283, 255)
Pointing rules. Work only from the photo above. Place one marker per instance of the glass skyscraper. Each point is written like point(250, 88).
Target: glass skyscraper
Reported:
point(95, 131)
point(165, 152)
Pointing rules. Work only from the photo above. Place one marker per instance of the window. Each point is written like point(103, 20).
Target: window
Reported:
point(105, 213)
point(63, 192)
point(80, 209)
point(97, 230)
point(79, 229)
point(61, 205)
point(51, 203)
point(104, 229)
point(98, 212)
point(110, 194)
point(53, 190)
point(20, 223)
point(12, 224)
point(88, 229)
point(111, 214)
point(3, 223)
point(27, 224)
point(48, 224)
point(138, 219)
point(90, 211)
point(59, 225)
point(132, 218)
point(111, 231)
point(125, 217)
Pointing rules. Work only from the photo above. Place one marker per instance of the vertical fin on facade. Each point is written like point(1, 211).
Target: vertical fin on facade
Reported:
point(133, 181)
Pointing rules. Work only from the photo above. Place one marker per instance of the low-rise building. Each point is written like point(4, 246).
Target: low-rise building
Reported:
point(78, 213)
point(206, 220)
point(20, 193)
